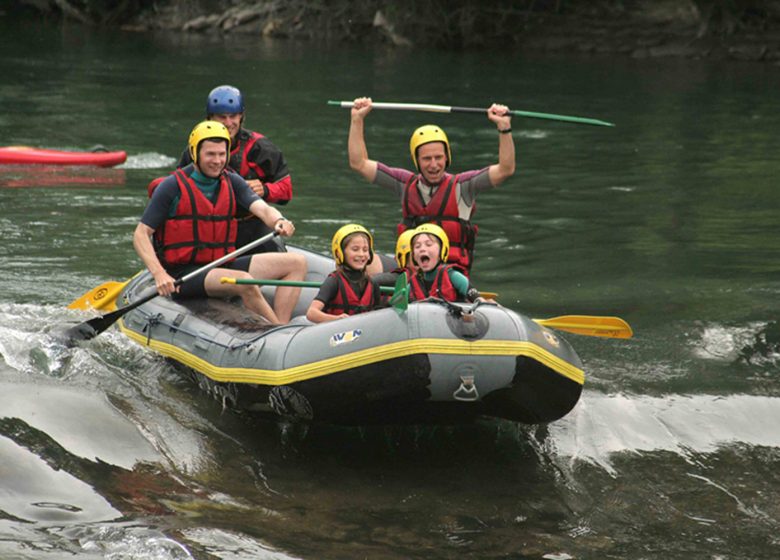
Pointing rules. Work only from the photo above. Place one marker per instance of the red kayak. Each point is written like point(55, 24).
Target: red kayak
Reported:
point(23, 155)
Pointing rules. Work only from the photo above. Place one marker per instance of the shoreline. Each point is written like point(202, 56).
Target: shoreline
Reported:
point(545, 34)
point(690, 29)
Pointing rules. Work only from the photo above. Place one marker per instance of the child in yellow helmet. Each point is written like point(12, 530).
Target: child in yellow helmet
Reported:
point(433, 277)
point(348, 290)
point(404, 264)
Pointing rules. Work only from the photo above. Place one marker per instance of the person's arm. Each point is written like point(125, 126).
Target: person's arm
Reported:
point(505, 168)
point(328, 291)
point(143, 246)
point(155, 214)
point(459, 282)
point(464, 288)
point(269, 215)
point(315, 313)
point(356, 145)
point(274, 183)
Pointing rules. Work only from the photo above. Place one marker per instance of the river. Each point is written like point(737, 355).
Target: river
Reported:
point(668, 220)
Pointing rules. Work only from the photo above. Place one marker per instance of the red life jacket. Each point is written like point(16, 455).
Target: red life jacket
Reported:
point(200, 232)
point(440, 288)
point(442, 210)
point(348, 301)
point(240, 153)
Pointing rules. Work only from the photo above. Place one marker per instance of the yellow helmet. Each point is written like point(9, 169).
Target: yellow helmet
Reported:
point(207, 130)
point(425, 135)
point(436, 231)
point(337, 244)
point(403, 247)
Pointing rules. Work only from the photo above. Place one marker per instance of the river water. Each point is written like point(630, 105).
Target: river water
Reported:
point(669, 220)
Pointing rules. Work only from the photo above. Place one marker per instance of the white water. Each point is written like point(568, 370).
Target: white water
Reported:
point(601, 425)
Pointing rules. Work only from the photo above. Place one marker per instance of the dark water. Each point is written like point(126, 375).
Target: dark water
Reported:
point(668, 220)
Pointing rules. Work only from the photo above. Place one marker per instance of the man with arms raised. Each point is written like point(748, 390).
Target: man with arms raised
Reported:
point(433, 195)
point(192, 218)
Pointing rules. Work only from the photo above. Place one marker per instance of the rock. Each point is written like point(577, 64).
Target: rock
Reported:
point(748, 52)
point(381, 22)
point(200, 23)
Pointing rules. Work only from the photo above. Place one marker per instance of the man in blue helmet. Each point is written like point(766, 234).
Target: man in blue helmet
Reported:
point(254, 157)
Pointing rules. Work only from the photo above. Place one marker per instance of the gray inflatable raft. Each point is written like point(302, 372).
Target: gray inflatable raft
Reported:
point(436, 362)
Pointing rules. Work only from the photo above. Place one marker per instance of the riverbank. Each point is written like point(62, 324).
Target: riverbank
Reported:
point(696, 29)
point(665, 28)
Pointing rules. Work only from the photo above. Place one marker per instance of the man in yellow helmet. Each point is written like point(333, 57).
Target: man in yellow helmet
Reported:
point(191, 216)
point(253, 156)
point(432, 194)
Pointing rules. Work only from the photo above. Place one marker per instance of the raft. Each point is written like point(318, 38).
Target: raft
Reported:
point(436, 362)
point(24, 155)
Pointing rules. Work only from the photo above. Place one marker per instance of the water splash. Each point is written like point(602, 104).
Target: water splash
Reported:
point(149, 160)
point(602, 426)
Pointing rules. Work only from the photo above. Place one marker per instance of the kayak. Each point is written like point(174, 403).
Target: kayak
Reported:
point(434, 362)
point(38, 175)
point(24, 155)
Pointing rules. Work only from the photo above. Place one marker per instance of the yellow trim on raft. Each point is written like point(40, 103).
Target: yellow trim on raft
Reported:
point(361, 358)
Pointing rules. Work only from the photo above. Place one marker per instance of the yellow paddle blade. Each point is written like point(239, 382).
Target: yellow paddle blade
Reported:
point(102, 297)
point(589, 325)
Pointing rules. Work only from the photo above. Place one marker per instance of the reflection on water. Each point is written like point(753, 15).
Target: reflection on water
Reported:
point(29, 176)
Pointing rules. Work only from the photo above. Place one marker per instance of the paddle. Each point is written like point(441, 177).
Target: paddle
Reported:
point(90, 329)
point(305, 284)
point(589, 325)
point(448, 109)
point(399, 299)
point(101, 297)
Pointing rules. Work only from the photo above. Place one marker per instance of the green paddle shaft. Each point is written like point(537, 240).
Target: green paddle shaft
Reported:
point(448, 109)
point(291, 283)
point(587, 325)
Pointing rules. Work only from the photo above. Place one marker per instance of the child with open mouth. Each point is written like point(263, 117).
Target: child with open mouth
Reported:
point(434, 278)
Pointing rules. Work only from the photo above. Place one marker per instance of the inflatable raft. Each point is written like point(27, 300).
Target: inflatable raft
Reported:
point(435, 362)
point(24, 155)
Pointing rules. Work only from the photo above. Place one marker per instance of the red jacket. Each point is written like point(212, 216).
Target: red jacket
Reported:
point(200, 232)
point(442, 210)
point(350, 302)
point(441, 288)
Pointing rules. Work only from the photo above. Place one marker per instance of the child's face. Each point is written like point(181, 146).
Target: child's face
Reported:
point(356, 251)
point(426, 250)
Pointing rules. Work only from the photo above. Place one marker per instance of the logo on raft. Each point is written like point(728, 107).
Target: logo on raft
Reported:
point(551, 338)
point(345, 337)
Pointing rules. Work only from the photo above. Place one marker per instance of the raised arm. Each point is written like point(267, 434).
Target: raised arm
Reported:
point(358, 153)
point(505, 168)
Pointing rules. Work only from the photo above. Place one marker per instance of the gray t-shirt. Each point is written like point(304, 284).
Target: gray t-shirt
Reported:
point(468, 185)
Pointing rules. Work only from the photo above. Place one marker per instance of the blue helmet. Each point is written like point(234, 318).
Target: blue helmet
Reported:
point(224, 100)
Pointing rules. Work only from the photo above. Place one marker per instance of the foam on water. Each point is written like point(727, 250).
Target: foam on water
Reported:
point(601, 425)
